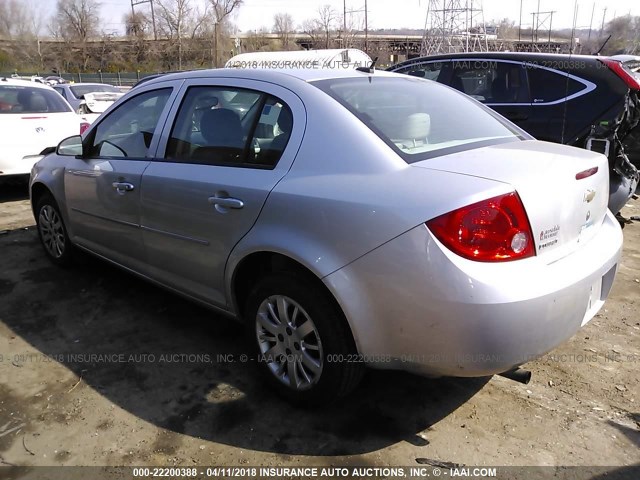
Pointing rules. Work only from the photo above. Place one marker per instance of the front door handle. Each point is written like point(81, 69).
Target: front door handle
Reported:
point(122, 187)
point(225, 202)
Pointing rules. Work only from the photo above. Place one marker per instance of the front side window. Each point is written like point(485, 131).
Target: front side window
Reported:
point(419, 119)
point(60, 91)
point(127, 131)
point(429, 71)
point(229, 126)
point(22, 99)
point(489, 81)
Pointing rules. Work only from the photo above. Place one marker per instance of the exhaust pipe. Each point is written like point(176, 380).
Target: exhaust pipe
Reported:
point(517, 374)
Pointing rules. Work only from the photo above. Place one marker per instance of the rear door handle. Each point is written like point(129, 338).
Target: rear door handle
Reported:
point(122, 187)
point(226, 202)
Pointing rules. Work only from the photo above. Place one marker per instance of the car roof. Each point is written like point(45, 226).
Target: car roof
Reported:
point(269, 75)
point(86, 83)
point(23, 83)
point(531, 56)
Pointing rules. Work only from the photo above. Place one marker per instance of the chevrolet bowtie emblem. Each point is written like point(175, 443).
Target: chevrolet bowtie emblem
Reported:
point(589, 195)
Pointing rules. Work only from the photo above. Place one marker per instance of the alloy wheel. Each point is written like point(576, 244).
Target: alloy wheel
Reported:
point(52, 231)
point(289, 342)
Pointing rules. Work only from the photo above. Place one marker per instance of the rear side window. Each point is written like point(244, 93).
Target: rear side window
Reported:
point(229, 127)
point(23, 99)
point(551, 85)
point(419, 119)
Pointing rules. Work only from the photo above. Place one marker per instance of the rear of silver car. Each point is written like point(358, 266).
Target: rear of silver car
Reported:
point(515, 252)
point(416, 305)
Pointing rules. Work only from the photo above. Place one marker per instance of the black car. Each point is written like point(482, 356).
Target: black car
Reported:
point(585, 101)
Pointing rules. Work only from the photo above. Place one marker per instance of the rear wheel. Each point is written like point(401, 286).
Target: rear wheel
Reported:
point(52, 231)
point(301, 339)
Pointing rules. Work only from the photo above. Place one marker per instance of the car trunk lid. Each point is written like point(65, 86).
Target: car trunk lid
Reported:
point(29, 133)
point(564, 190)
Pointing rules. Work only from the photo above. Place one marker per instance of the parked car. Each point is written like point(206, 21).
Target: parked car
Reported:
point(87, 98)
point(348, 218)
point(630, 63)
point(32, 117)
point(54, 80)
point(584, 101)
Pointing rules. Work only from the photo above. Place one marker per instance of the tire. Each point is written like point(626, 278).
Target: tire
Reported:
point(53, 232)
point(305, 358)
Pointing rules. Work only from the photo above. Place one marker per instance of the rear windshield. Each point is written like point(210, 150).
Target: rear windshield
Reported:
point(80, 90)
point(418, 118)
point(24, 99)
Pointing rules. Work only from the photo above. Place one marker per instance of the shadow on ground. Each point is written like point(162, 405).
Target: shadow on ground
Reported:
point(94, 308)
point(14, 188)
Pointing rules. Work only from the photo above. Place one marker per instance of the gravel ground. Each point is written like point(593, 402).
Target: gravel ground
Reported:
point(100, 368)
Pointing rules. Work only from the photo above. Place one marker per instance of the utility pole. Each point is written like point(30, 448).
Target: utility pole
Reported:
point(593, 10)
point(604, 14)
point(366, 26)
point(344, 23)
point(153, 14)
point(520, 24)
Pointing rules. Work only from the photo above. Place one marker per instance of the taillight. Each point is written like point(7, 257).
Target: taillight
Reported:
point(493, 230)
point(617, 68)
point(84, 126)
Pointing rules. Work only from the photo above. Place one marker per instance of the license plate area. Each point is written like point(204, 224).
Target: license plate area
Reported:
point(595, 301)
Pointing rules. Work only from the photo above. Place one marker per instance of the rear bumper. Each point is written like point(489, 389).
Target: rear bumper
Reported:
point(18, 165)
point(415, 306)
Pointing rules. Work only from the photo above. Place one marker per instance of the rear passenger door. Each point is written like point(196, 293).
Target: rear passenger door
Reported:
point(499, 84)
point(229, 144)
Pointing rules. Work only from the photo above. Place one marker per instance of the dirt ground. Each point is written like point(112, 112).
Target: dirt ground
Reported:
point(100, 368)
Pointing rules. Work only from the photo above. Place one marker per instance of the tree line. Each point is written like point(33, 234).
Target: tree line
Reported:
point(184, 34)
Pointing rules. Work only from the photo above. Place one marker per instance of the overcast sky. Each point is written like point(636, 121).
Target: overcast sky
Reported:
point(255, 14)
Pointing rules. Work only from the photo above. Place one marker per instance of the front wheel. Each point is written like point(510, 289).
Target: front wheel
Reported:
point(301, 339)
point(52, 231)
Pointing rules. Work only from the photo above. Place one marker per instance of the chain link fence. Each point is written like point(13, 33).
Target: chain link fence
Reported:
point(119, 79)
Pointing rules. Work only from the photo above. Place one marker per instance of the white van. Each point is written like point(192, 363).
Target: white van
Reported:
point(341, 58)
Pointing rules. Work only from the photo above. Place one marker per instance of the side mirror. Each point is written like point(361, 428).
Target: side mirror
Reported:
point(70, 147)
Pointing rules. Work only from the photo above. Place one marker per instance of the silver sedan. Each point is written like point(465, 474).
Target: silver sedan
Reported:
point(349, 219)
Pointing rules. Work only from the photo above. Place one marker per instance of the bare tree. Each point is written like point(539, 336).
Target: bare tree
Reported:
point(313, 29)
point(354, 24)
point(221, 10)
point(19, 19)
point(77, 19)
point(173, 16)
point(76, 22)
point(137, 24)
point(283, 27)
point(327, 17)
point(625, 35)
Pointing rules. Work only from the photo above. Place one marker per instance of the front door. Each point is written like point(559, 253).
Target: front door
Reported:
point(103, 188)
